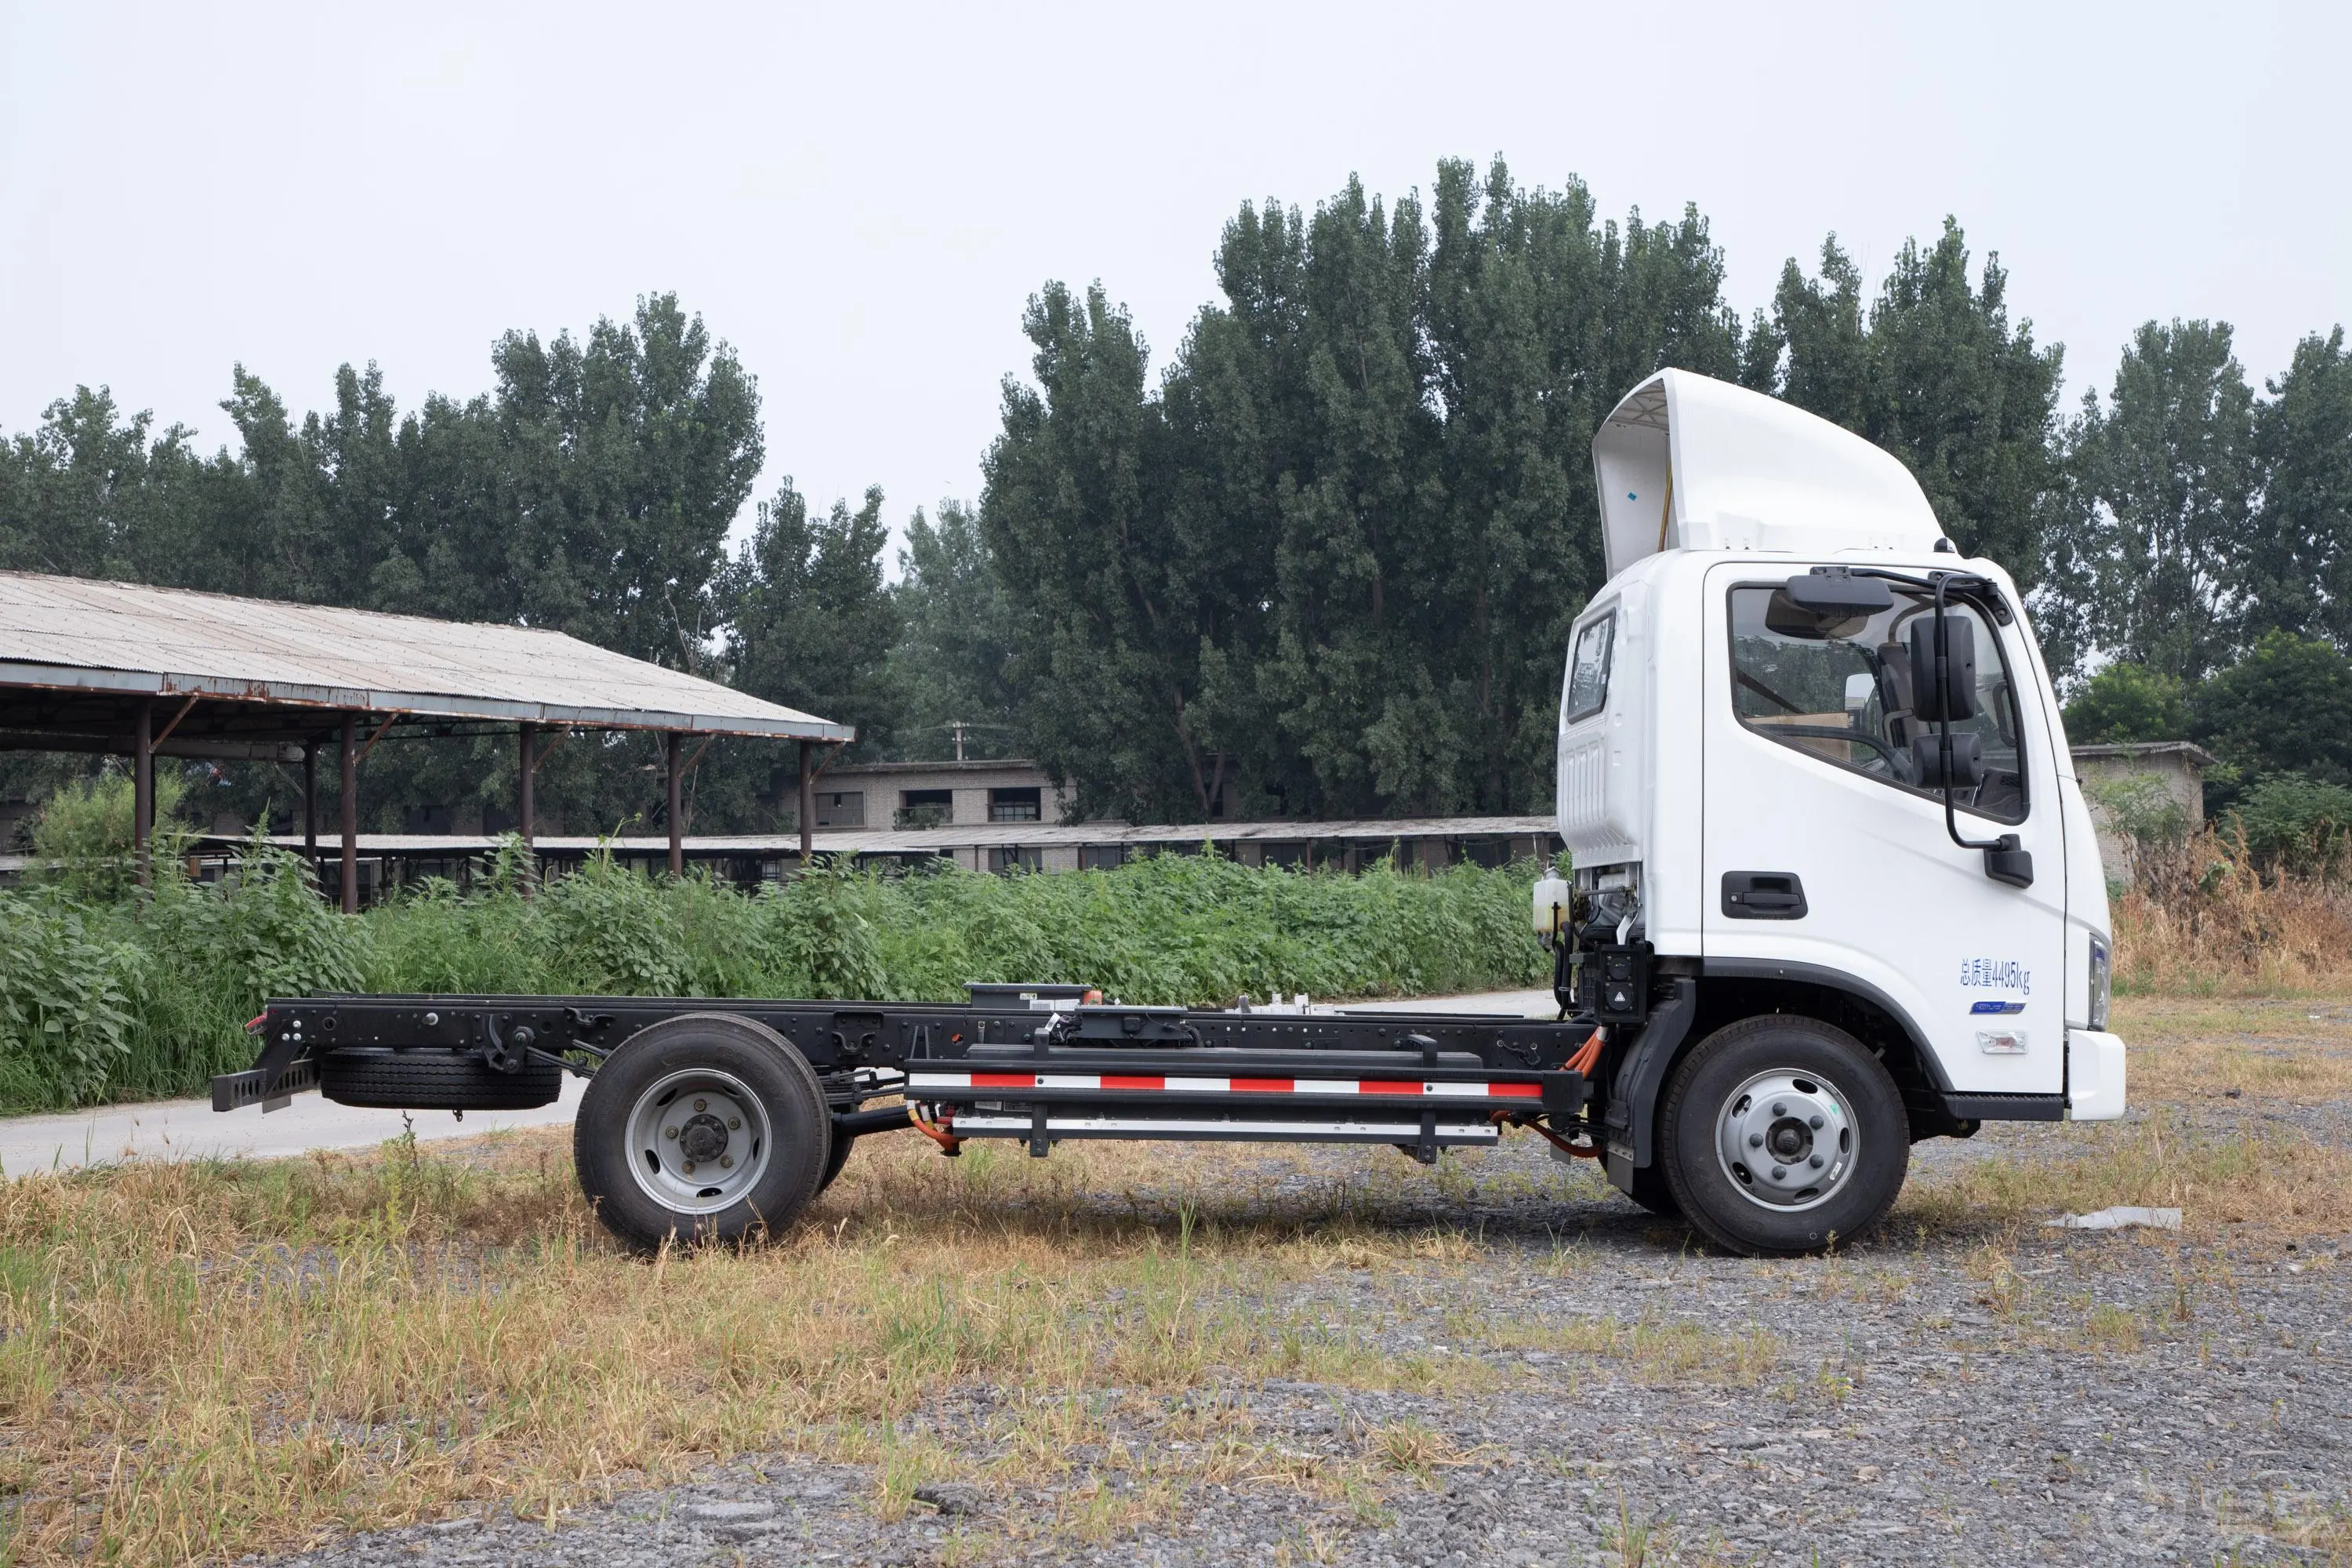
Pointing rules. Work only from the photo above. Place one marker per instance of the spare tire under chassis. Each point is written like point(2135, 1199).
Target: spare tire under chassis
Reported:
point(429, 1079)
point(704, 1127)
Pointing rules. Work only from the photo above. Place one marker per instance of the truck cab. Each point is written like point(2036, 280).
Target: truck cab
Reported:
point(1834, 885)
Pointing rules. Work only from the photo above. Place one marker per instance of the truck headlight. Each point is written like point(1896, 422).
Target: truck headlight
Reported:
point(2103, 980)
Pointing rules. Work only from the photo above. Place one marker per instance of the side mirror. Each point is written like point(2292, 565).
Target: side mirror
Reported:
point(2005, 862)
point(1967, 760)
point(1826, 603)
point(1832, 594)
point(1956, 697)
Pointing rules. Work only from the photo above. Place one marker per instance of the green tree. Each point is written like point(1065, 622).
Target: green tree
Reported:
point(2285, 708)
point(950, 664)
point(1540, 318)
point(2300, 574)
point(2128, 702)
point(810, 625)
point(1074, 514)
point(1937, 374)
point(2151, 560)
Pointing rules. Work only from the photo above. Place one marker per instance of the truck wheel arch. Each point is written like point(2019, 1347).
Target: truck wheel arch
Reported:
point(1729, 990)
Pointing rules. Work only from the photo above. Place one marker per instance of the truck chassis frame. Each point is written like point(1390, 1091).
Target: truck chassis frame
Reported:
point(1037, 1064)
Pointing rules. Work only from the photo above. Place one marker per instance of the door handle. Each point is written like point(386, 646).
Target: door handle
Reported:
point(1763, 896)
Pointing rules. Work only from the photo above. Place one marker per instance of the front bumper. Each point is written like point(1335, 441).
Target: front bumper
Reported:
point(2094, 1076)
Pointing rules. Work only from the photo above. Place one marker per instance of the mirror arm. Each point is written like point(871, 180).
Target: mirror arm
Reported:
point(2006, 860)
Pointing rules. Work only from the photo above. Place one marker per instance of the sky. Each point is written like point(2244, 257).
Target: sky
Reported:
point(860, 198)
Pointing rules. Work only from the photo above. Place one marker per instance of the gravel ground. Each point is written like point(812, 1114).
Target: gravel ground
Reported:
point(2002, 1397)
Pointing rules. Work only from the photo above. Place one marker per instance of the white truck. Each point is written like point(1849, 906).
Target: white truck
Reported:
point(1832, 860)
point(1834, 890)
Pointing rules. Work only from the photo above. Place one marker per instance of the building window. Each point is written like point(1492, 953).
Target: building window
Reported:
point(1016, 857)
point(926, 807)
point(1285, 854)
point(1016, 805)
point(840, 809)
point(1102, 857)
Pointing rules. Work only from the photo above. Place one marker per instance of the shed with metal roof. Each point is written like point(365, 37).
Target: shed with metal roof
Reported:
point(141, 671)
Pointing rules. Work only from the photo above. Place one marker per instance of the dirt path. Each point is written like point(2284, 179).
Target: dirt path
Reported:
point(192, 1129)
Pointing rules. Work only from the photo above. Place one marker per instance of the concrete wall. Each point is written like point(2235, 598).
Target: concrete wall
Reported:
point(2178, 771)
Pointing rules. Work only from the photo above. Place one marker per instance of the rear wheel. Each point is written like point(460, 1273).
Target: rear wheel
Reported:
point(835, 1161)
point(706, 1126)
point(1782, 1135)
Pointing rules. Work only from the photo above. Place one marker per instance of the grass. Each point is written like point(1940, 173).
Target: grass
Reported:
point(2206, 918)
point(2286, 1185)
point(201, 1361)
point(2184, 1048)
point(106, 997)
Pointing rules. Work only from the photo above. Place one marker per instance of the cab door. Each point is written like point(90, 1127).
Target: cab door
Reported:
point(1825, 857)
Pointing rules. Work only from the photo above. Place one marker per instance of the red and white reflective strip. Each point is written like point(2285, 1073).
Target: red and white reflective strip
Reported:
point(1153, 1084)
point(967, 1125)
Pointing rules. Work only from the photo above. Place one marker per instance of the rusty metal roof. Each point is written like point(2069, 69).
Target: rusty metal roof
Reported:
point(80, 640)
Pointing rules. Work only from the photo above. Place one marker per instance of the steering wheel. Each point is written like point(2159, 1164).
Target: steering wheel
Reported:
point(1894, 759)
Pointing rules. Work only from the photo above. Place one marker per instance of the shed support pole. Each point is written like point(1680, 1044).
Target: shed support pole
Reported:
point(350, 805)
point(676, 830)
point(310, 805)
point(808, 805)
point(143, 794)
point(524, 811)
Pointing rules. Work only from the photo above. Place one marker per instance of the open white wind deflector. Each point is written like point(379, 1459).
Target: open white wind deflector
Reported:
point(1686, 462)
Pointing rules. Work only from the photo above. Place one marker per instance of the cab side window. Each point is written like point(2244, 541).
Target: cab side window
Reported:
point(1844, 692)
point(1587, 691)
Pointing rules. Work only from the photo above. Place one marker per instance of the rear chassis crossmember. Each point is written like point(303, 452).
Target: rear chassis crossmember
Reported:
point(998, 1067)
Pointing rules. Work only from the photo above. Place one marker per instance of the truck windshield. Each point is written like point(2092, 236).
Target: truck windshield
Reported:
point(1842, 693)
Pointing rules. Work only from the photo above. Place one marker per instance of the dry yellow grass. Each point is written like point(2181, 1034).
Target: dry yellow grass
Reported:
point(2187, 1048)
point(200, 1361)
point(2204, 921)
point(2283, 1184)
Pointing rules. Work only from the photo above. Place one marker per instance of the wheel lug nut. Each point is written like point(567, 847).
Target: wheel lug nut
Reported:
point(1815, 1162)
point(1816, 1123)
point(702, 1105)
point(1779, 1109)
point(689, 1167)
point(1778, 1172)
point(670, 1131)
point(727, 1161)
point(1755, 1140)
point(735, 1124)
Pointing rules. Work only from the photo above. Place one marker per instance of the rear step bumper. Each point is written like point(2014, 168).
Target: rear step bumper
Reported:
point(253, 1085)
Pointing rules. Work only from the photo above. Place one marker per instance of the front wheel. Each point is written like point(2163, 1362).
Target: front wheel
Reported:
point(1783, 1135)
point(705, 1127)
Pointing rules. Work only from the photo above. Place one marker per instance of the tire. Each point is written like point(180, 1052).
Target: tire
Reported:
point(835, 1161)
point(1748, 1112)
point(433, 1081)
point(704, 1128)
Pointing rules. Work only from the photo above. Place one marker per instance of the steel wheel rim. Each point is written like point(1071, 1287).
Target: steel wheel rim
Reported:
point(1787, 1140)
point(698, 1142)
